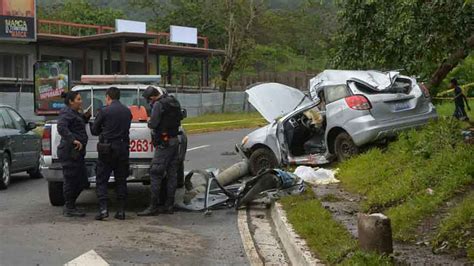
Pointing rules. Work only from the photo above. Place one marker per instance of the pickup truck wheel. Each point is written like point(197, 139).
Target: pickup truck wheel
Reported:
point(5, 172)
point(56, 196)
point(345, 147)
point(261, 159)
point(35, 173)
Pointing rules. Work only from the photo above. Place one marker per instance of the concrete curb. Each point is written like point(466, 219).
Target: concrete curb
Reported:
point(295, 247)
point(247, 240)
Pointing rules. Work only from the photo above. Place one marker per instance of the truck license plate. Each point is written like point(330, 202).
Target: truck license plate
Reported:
point(141, 145)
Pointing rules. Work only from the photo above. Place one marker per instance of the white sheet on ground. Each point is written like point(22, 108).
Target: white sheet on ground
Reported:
point(316, 176)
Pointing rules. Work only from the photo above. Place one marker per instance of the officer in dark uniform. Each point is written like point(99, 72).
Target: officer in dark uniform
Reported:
point(164, 123)
point(72, 150)
point(112, 125)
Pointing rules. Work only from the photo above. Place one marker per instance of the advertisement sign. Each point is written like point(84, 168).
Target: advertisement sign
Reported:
point(181, 34)
point(52, 78)
point(17, 20)
point(122, 25)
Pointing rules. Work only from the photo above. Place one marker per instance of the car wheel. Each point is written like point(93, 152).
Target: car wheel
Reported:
point(5, 172)
point(261, 159)
point(180, 175)
point(35, 173)
point(55, 191)
point(345, 147)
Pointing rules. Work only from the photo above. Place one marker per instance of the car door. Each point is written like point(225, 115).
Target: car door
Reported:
point(13, 140)
point(30, 141)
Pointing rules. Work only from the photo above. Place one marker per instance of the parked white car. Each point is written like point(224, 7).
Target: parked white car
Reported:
point(344, 111)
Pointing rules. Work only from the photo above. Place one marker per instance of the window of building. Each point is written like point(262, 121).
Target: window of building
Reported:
point(13, 66)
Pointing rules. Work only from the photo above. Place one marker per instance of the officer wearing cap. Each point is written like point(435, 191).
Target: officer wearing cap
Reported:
point(164, 123)
point(112, 125)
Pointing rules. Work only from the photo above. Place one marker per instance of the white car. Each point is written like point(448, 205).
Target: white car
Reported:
point(356, 108)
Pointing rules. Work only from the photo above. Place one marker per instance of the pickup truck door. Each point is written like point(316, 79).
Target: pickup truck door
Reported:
point(14, 140)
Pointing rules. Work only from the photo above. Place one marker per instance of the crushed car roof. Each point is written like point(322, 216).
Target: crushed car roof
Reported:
point(377, 79)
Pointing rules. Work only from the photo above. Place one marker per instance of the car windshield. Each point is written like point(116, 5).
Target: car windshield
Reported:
point(128, 97)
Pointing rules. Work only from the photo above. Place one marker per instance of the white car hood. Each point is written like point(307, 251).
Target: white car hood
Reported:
point(274, 100)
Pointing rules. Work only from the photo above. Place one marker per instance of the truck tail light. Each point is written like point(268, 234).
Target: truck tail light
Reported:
point(358, 102)
point(46, 141)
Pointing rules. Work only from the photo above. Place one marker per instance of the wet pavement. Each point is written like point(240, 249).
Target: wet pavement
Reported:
point(32, 232)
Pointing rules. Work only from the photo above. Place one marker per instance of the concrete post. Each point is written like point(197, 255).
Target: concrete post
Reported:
point(375, 233)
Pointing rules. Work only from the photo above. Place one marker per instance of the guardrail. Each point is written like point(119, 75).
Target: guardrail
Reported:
point(62, 28)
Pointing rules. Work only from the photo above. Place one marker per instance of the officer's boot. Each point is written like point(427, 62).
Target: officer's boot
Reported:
point(103, 212)
point(70, 210)
point(169, 206)
point(152, 210)
point(120, 214)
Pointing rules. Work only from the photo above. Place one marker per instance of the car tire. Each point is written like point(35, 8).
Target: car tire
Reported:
point(262, 159)
point(5, 172)
point(345, 147)
point(35, 173)
point(180, 175)
point(55, 191)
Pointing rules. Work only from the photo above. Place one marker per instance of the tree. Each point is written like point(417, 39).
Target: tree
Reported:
point(426, 38)
point(80, 11)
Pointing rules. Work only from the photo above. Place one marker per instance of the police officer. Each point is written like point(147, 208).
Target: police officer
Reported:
point(112, 125)
point(164, 123)
point(72, 150)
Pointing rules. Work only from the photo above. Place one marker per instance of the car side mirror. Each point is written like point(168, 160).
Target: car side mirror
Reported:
point(184, 113)
point(30, 126)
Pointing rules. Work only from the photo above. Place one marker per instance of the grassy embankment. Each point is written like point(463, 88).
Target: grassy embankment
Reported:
point(325, 237)
point(414, 178)
point(408, 181)
point(225, 121)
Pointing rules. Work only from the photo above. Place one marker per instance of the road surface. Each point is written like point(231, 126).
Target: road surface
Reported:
point(32, 232)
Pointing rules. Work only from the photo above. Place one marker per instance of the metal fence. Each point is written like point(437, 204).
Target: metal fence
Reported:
point(195, 103)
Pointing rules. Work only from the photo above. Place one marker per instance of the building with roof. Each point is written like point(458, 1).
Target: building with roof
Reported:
point(96, 49)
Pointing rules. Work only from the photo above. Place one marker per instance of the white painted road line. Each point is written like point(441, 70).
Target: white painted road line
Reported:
point(198, 147)
point(90, 258)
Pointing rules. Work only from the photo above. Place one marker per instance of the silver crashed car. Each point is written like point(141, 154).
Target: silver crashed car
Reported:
point(344, 111)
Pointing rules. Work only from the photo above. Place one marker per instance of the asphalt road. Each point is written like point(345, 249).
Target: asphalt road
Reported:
point(32, 232)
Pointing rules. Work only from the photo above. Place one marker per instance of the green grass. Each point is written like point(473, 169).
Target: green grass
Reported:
point(326, 238)
point(457, 229)
point(225, 121)
point(446, 108)
point(414, 176)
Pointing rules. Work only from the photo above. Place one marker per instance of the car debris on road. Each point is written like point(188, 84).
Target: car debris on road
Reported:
point(233, 187)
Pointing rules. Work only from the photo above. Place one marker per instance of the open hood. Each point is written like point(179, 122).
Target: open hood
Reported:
point(274, 100)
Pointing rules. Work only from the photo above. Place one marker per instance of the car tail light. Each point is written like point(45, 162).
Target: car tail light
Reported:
point(424, 89)
point(46, 141)
point(358, 102)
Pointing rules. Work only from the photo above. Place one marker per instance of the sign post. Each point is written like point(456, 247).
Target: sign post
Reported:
point(52, 78)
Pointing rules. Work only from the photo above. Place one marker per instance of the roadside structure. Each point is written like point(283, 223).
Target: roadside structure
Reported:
point(97, 49)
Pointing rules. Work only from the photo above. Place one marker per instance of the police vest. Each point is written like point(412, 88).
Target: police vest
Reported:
point(170, 118)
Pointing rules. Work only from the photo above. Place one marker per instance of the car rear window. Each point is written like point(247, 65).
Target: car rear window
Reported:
point(400, 85)
point(334, 93)
point(128, 97)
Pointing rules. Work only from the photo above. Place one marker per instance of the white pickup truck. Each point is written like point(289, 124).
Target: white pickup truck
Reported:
point(141, 147)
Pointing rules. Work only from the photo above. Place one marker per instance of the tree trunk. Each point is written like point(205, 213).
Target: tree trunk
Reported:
point(451, 62)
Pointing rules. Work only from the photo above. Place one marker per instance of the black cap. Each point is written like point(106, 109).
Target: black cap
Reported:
point(150, 91)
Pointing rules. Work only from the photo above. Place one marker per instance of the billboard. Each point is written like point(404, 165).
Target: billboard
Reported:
point(17, 20)
point(122, 25)
point(181, 34)
point(52, 78)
